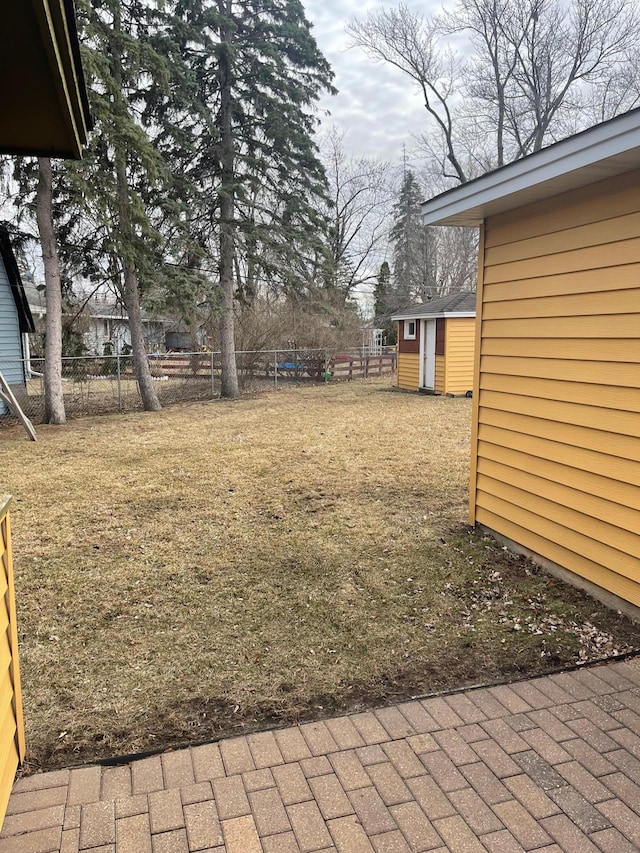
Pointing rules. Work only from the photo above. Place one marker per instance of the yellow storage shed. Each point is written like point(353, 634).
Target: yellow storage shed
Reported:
point(436, 345)
point(555, 469)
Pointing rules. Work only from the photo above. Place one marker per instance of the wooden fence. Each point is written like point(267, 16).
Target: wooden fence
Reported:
point(11, 719)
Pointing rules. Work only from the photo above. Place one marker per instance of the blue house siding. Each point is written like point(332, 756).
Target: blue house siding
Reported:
point(15, 317)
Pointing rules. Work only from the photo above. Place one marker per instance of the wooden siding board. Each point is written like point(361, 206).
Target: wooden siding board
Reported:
point(573, 305)
point(408, 375)
point(439, 383)
point(607, 349)
point(459, 354)
point(609, 373)
point(621, 277)
point(580, 565)
point(595, 506)
point(475, 414)
point(7, 775)
point(606, 396)
point(605, 326)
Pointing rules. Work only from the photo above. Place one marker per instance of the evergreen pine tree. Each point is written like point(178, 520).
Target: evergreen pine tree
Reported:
point(413, 252)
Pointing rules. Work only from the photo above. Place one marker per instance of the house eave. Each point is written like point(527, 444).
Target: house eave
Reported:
point(426, 316)
point(603, 151)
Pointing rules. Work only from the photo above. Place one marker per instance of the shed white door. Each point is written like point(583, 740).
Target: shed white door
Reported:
point(428, 354)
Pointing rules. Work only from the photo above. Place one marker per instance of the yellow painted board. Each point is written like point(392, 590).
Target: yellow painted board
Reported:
point(625, 227)
point(620, 277)
point(606, 326)
point(563, 557)
point(595, 257)
point(4, 614)
point(604, 349)
point(623, 423)
point(7, 775)
point(592, 482)
point(611, 558)
point(510, 423)
point(623, 301)
point(596, 506)
point(604, 396)
point(13, 639)
point(575, 519)
point(621, 374)
point(594, 203)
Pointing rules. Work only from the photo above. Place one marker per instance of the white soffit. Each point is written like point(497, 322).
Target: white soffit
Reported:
point(608, 149)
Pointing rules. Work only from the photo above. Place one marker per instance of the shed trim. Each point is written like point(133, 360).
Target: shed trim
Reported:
point(25, 319)
point(610, 148)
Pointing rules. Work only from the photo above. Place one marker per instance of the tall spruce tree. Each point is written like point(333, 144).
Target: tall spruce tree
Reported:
point(261, 74)
point(413, 250)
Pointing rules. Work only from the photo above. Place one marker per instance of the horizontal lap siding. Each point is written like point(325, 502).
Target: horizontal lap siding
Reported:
point(408, 376)
point(439, 382)
point(459, 354)
point(558, 450)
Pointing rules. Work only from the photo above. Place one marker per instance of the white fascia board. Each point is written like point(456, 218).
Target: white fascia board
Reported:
point(438, 316)
point(607, 149)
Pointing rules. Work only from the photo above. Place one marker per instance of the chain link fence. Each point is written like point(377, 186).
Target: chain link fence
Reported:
point(93, 385)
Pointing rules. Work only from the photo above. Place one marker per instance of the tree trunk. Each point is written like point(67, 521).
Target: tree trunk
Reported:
point(53, 394)
point(229, 383)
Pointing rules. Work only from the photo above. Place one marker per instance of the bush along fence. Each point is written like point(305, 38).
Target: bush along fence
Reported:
point(95, 384)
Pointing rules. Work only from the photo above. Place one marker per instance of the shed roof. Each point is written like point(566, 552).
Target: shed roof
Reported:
point(461, 304)
point(610, 148)
point(25, 320)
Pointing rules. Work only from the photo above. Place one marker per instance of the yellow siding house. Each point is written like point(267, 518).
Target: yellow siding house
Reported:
point(556, 431)
point(436, 345)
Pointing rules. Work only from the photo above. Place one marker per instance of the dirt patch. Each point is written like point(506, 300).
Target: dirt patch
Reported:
point(220, 567)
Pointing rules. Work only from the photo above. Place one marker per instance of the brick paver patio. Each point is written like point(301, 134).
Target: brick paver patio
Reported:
point(551, 764)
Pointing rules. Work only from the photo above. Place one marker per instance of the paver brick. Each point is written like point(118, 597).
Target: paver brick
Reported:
point(292, 745)
point(589, 758)
point(542, 773)
point(472, 732)
point(532, 797)
point(496, 759)
point(550, 724)
point(566, 712)
point(240, 835)
point(330, 797)
point(585, 782)
point(612, 841)
point(557, 694)
point(236, 756)
point(415, 826)
point(203, 825)
point(165, 810)
point(430, 798)
point(43, 798)
point(489, 705)
point(40, 781)
point(476, 813)
point(258, 780)
point(594, 735)
point(349, 836)
point(521, 825)
point(133, 834)
point(370, 729)
point(116, 783)
point(613, 676)
point(520, 722)
point(418, 718)
point(372, 813)
point(423, 743)
point(170, 842)
point(308, 826)
point(207, 762)
point(396, 725)
point(317, 766)
point(72, 817)
point(623, 787)
point(545, 746)
point(630, 670)
point(571, 685)
point(531, 695)
point(42, 841)
point(457, 836)
point(512, 702)
point(627, 739)
point(627, 763)
point(264, 749)
point(230, 797)
point(30, 821)
point(292, 784)
point(84, 785)
point(403, 758)
point(623, 818)
point(70, 841)
point(98, 824)
point(389, 784)
point(443, 770)
point(505, 736)
point(589, 678)
point(629, 718)
point(593, 710)
point(318, 738)
point(146, 775)
point(350, 770)
point(196, 793)
point(268, 812)
point(345, 733)
point(372, 754)
point(131, 806)
point(390, 842)
point(283, 843)
point(579, 809)
point(465, 708)
point(177, 768)
point(567, 835)
point(502, 842)
point(485, 782)
point(455, 747)
point(442, 713)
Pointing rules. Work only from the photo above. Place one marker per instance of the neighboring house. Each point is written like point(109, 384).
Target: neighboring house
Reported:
point(102, 322)
point(44, 111)
point(555, 467)
point(15, 321)
point(435, 345)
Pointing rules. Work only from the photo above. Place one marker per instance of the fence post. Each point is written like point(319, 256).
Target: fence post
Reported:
point(275, 369)
point(119, 382)
point(213, 386)
point(366, 366)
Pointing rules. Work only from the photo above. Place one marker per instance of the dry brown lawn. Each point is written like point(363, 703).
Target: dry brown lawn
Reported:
point(221, 566)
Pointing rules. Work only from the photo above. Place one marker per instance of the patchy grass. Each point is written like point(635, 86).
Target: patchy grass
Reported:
point(221, 566)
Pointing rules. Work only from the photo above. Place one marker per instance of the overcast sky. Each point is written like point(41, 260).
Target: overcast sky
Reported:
point(376, 105)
